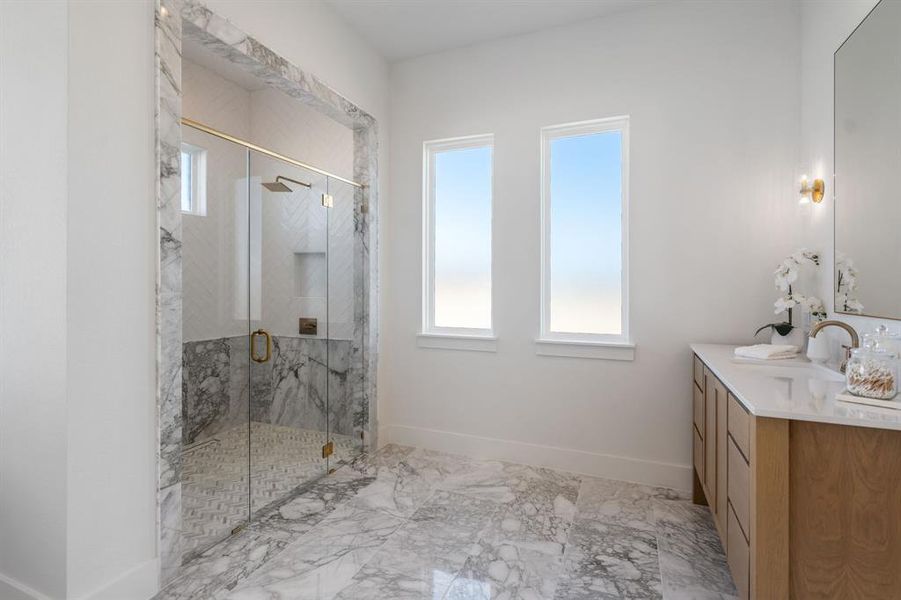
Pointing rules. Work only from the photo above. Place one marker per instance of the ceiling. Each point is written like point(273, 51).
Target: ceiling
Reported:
point(400, 29)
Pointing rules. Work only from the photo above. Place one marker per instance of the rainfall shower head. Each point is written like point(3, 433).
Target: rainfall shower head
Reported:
point(278, 186)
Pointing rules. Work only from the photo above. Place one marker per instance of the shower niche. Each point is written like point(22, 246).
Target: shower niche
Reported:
point(268, 405)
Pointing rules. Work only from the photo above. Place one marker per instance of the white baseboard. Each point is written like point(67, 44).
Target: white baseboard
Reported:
point(139, 583)
point(10, 589)
point(563, 459)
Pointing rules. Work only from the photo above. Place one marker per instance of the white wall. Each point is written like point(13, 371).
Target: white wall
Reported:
point(825, 25)
point(78, 241)
point(714, 130)
point(112, 244)
point(32, 297)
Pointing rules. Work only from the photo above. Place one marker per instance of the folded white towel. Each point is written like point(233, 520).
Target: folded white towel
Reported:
point(767, 351)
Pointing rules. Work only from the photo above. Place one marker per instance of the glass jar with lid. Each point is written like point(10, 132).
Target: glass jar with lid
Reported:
point(872, 373)
point(883, 338)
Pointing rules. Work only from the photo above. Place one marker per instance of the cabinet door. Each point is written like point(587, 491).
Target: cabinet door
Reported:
point(698, 408)
point(710, 439)
point(738, 555)
point(698, 453)
point(722, 458)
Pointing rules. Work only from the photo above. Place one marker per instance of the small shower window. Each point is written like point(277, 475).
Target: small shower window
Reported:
point(193, 180)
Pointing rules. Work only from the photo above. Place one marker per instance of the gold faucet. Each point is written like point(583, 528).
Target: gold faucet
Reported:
point(855, 339)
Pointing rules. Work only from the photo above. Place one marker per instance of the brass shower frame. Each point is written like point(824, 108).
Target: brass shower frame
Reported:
point(225, 136)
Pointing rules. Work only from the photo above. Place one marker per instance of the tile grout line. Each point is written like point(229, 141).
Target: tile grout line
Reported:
point(404, 521)
point(657, 538)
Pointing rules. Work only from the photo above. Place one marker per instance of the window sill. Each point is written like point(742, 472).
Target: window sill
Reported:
point(452, 341)
point(585, 349)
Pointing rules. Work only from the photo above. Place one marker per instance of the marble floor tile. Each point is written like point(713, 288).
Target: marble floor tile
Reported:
point(412, 524)
point(397, 490)
point(538, 526)
point(322, 562)
point(224, 565)
point(440, 536)
point(438, 466)
point(369, 463)
point(383, 584)
point(620, 502)
point(502, 570)
point(604, 560)
point(393, 484)
point(488, 480)
point(509, 483)
point(543, 513)
point(692, 561)
point(306, 510)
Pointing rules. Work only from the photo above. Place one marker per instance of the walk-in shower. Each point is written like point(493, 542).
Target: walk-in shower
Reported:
point(298, 269)
point(267, 404)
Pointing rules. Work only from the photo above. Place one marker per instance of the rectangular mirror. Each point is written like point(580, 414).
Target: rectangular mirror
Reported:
point(867, 161)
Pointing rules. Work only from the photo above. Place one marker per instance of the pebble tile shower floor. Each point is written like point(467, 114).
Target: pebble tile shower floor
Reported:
point(414, 524)
point(215, 492)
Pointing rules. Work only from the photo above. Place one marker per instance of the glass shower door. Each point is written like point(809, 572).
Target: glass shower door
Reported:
point(345, 384)
point(288, 266)
point(215, 454)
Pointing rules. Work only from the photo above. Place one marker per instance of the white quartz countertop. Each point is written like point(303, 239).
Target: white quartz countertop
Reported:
point(795, 389)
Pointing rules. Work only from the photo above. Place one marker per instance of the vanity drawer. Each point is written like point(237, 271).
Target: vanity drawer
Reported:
point(740, 426)
point(698, 453)
point(738, 555)
point(699, 372)
point(698, 409)
point(740, 488)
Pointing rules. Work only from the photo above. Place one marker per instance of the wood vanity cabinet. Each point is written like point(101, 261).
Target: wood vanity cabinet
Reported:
point(735, 474)
point(807, 506)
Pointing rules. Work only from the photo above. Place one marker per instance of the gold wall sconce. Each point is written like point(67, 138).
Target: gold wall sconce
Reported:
point(812, 192)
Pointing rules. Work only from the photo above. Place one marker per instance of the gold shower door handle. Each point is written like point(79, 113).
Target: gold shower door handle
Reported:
point(253, 353)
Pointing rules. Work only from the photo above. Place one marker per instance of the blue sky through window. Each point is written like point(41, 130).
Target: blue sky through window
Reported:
point(463, 238)
point(586, 233)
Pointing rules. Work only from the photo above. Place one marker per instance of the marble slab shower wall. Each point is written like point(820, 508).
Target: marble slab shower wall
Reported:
point(290, 390)
point(168, 285)
point(214, 387)
point(301, 376)
point(364, 343)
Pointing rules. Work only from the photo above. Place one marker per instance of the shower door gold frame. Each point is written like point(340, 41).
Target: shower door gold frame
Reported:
point(221, 134)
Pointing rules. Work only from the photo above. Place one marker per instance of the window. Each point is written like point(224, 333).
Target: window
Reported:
point(193, 180)
point(584, 202)
point(457, 182)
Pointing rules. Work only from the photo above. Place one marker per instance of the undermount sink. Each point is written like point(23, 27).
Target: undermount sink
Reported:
point(791, 370)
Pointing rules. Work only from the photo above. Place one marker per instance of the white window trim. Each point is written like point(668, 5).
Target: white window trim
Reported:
point(574, 349)
point(443, 341)
point(198, 179)
point(432, 336)
point(583, 345)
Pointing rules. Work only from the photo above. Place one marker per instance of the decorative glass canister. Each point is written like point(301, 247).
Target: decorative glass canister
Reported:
point(872, 373)
point(883, 339)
